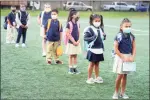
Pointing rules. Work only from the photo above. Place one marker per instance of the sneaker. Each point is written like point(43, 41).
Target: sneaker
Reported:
point(49, 62)
point(43, 54)
point(23, 45)
point(98, 80)
point(58, 62)
point(76, 71)
point(17, 45)
point(115, 96)
point(90, 81)
point(124, 96)
point(12, 41)
point(70, 71)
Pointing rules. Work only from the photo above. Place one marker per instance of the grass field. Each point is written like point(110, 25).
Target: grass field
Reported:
point(25, 75)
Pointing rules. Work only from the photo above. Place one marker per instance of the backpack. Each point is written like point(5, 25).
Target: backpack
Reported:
point(113, 51)
point(5, 23)
point(65, 37)
point(49, 25)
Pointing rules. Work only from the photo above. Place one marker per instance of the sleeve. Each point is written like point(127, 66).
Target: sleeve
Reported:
point(88, 36)
point(28, 22)
point(18, 20)
point(68, 26)
point(118, 37)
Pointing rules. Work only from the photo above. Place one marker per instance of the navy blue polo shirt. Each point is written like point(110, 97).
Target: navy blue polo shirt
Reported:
point(11, 17)
point(75, 33)
point(24, 16)
point(125, 43)
point(46, 16)
point(53, 33)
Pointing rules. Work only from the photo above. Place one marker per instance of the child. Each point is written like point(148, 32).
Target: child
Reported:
point(73, 45)
point(11, 26)
point(53, 32)
point(124, 47)
point(94, 36)
point(22, 19)
point(42, 19)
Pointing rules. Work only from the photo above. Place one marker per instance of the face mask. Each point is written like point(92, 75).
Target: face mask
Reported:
point(23, 9)
point(54, 16)
point(13, 10)
point(127, 30)
point(47, 10)
point(96, 24)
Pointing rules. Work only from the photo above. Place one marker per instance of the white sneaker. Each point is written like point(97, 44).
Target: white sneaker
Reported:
point(124, 96)
point(98, 80)
point(115, 96)
point(13, 41)
point(90, 81)
point(43, 54)
point(23, 45)
point(17, 45)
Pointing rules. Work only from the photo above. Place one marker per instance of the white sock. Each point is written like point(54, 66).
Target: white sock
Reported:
point(74, 66)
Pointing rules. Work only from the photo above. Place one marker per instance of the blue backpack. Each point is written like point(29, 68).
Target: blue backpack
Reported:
point(5, 23)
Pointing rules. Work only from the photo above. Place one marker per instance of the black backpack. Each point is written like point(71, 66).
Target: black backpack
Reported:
point(5, 23)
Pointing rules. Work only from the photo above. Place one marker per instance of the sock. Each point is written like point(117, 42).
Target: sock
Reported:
point(74, 66)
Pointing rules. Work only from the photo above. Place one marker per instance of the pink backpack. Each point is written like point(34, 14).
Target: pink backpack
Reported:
point(66, 38)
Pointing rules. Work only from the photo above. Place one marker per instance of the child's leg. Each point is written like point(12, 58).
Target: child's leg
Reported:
point(90, 70)
point(19, 35)
point(8, 35)
point(75, 61)
point(13, 35)
point(70, 61)
point(118, 81)
point(96, 68)
point(24, 35)
point(49, 51)
point(43, 45)
point(123, 83)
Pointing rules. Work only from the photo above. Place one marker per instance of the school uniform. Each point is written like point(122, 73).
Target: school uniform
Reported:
point(70, 48)
point(10, 37)
point(95, 52)
point(53, 38)
point(22, 18)
point(125, 47)
point(44, 18)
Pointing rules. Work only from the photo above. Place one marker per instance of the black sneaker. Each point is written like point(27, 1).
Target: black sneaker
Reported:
point(71, 71)
point(76, 71)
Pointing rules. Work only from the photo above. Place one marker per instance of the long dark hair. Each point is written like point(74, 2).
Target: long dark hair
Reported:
point(71, 13)
point(93, 16)
point(125, 20)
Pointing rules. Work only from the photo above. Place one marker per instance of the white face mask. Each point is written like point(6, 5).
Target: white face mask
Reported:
point(97, 24)
point(54, 16)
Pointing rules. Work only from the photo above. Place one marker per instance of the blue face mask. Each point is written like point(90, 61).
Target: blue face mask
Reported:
point(126, 30)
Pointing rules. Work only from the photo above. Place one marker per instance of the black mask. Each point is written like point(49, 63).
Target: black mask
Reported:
point(77, 19)
point(13, 10)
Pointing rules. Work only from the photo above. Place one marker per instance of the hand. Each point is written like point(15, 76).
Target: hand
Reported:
point(59, 42)
point(10, 26)
point(75, 44)
point(22, 26)
point(44, 36)
point(131, 58)
point(126, 59)
point(26, 26)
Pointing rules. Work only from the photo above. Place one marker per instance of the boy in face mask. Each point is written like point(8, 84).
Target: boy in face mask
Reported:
point(42, 19)
point(53, 34)
point(22, 19)
point(10, 37)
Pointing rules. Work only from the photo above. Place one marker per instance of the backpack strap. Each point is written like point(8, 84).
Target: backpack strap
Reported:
point(48, 25)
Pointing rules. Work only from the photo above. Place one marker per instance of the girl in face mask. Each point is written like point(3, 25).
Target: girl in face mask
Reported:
point(73, 46)
point(125, 50)
point(94, 37)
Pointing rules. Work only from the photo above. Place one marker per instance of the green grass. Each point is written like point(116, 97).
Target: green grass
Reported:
point(108, 14)
point(25, 75)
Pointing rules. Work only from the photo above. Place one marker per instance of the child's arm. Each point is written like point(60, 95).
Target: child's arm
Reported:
point(70, 37)
point(39, 19)
point(18, 20)
point(124, 58)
